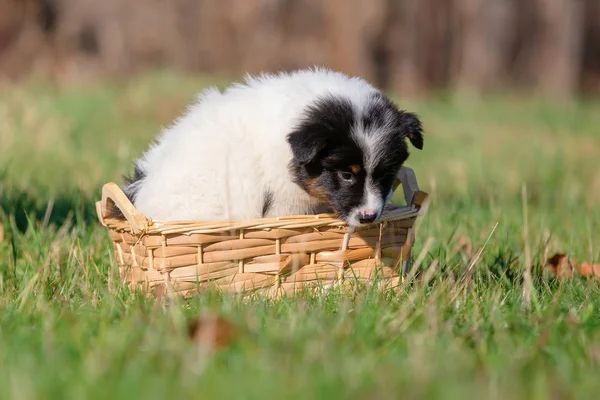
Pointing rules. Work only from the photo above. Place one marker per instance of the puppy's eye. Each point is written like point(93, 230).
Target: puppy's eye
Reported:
point(346, 176)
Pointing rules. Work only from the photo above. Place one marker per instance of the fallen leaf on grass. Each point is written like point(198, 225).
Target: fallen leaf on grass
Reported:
point(211, 331)
point(561, 267)
point(587, 269)
point(1, 232)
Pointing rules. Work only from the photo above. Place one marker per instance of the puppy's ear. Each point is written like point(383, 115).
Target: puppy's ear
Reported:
point(306, 144)
point(411, 125)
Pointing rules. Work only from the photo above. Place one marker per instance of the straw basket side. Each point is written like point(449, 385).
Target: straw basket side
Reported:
point(272, 256)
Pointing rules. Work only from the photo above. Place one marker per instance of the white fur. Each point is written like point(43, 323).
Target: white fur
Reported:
point(218, 160)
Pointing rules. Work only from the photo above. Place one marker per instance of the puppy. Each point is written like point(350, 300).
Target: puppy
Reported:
point(303, 142)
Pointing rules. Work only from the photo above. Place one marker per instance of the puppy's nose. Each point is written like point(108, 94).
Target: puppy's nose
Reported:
point(367, 216)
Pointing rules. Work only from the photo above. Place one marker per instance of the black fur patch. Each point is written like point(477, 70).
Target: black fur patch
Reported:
point(414, 130)
point(327, 122)
point(129, 190)
point(267, 202)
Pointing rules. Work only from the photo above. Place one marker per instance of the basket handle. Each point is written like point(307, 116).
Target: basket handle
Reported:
point(112, 195)
point(413, 196)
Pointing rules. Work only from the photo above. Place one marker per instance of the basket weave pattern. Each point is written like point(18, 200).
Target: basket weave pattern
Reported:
point(274, 256)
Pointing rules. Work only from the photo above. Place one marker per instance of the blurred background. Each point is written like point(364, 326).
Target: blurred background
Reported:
point(508, 92)
point(507, 89)
point(548, 47)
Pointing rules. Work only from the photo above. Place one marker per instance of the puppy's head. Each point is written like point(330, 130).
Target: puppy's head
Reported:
point(348, 155)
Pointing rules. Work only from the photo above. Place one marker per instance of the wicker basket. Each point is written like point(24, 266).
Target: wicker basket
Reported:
point(274, 256)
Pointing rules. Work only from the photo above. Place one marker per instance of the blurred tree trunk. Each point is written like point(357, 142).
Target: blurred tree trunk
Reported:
point(485, 32)
point(557, 56)
point(11, 18)
point(411, 46)
point(23, 36)
point(590, 77)
point(352, 26)
point(404, 70)
point(418, 45)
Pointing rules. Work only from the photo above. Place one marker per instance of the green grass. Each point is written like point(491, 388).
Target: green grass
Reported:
point(531, 168)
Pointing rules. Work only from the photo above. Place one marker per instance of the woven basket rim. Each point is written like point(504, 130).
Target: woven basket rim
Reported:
point(137, 223)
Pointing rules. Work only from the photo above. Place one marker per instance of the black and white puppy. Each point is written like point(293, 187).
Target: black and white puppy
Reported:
point(296, 143)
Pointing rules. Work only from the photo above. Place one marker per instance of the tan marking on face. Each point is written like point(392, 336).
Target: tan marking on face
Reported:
point(314, 189)
point(355, 168)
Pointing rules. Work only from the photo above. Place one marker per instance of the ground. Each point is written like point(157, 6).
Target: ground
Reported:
point(511, 179)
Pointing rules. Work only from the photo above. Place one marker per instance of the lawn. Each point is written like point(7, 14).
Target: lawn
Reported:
point(511, 180)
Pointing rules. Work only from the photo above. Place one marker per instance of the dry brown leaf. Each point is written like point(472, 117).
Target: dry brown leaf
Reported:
point(561, 268)
point(211, 331)
point(1, 232)
point(587, 269)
